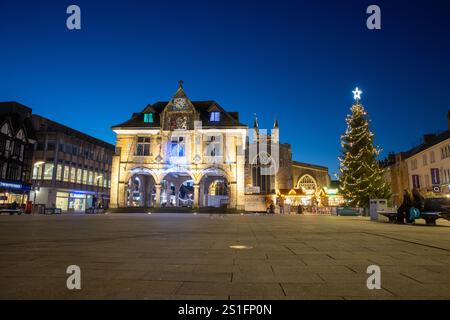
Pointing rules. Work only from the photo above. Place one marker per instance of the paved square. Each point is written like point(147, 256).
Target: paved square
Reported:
point(183, 256)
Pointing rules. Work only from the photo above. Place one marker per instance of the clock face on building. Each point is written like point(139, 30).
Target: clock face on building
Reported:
point(179, 103)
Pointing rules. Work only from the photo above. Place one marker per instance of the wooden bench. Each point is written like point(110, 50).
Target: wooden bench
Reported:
point(347, 211)
point(429, 217)
point(11, 211)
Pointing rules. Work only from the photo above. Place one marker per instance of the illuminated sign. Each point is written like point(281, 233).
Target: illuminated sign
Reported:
point(437, 189)
point(77, 195)
point(16, 186)
point(332, 191)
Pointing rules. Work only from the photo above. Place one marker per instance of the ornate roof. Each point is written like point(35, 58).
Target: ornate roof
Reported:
point(200, 110)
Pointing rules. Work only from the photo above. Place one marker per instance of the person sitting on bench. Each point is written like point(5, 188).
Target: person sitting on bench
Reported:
point(418, 203)
point(405, 207)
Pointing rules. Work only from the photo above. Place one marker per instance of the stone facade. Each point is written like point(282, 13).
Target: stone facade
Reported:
point(185, 153)
point(176, 142)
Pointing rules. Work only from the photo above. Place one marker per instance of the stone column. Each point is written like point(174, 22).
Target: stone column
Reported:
point(158, 195)
point(232, 196)
point(122, 199)
point(196, 195)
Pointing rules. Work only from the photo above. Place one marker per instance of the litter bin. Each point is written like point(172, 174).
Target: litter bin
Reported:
point(375, 206)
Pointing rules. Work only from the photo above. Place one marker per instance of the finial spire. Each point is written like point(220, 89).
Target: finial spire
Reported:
point(275, 124)
point(255, 122)
point(180, 83)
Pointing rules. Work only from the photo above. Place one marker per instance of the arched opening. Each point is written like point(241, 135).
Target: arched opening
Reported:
point(309, 187)
point(140, 191)
point(177, 190)
point(307, 183)
point(214, 189)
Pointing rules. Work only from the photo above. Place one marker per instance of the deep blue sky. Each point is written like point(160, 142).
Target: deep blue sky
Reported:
point(294, 60)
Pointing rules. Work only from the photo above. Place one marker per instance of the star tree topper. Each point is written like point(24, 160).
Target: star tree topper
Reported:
point(357, 94)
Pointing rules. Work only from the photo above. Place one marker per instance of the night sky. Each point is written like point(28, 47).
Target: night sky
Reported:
point(294, 60)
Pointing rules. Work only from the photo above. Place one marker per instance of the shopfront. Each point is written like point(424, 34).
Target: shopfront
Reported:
point(334, 198)
point(74, 201)
point(11, 192)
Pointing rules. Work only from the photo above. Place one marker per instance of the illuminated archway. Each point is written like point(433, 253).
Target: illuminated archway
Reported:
point(140, 190)
point(307, 183)
point(214, 189)
point(177, 190)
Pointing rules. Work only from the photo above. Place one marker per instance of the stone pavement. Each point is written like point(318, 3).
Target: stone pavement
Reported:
point(184, 256)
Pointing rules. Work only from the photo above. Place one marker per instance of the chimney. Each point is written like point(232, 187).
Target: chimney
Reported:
point(428, 137)
point(448, 119)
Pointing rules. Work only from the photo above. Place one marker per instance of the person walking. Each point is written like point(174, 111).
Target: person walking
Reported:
point(281, 204)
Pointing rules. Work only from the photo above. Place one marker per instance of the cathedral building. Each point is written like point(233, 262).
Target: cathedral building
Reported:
point(183, 153)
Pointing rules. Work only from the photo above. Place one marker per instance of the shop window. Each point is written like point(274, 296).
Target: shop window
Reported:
point(48, 171)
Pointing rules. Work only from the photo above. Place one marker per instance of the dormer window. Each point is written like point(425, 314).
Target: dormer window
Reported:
point(148, 117)
point(214, 116)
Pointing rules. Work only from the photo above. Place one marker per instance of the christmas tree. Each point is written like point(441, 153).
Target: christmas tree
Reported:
point(361, 177)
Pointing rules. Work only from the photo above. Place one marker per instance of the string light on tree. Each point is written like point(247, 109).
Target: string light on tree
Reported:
point(361, 177)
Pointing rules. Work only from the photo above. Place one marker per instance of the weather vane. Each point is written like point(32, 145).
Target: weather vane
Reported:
point(357, 94)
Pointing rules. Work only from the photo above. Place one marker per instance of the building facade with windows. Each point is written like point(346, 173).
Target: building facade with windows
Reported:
point(425, 167)
point(17, 139)
point(71, 170)
point(429, 165)
point(179, 153)
point(183, 153)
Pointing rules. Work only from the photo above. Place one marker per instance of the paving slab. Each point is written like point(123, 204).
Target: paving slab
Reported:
point(182, 256)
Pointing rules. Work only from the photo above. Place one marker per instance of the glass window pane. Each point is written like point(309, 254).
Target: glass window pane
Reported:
point(79, 175)
point(73, 174)
point(48, 171)
point(59, 172)
point(66, 173)
point(85, 174)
